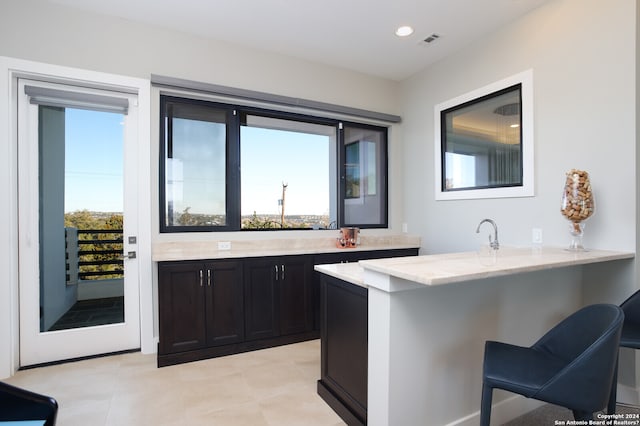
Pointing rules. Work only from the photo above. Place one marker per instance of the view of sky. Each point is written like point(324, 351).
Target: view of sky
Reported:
point(269, 158)
point(461, 170)
point(93, 161)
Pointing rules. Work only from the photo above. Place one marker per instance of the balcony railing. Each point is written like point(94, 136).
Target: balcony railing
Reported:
point(94, 254)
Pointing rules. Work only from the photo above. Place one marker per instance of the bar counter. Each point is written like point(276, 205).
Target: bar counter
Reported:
point(430, 315)
point(438, 269)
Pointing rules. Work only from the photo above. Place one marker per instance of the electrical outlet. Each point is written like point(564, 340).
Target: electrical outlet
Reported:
point(224, 245)
point(405, 228)
point(536, 236)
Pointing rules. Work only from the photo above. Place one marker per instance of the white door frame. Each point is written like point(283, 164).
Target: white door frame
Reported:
point(11, 69)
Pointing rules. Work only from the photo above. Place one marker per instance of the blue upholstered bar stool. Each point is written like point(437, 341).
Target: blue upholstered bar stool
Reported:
point(17, 404)
point(572, 365)
point(630, 337)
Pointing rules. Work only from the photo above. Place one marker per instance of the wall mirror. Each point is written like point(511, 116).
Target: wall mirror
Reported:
point(484, 142)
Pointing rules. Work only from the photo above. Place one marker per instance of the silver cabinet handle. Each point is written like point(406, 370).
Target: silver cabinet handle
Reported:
point(276, 268)
point(209, 277)
point(201, 278)
point(282, 276)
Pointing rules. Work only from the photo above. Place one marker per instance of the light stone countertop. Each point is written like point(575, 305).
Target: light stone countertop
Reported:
point(438, 269)
point(201, 250)
point(350, 272)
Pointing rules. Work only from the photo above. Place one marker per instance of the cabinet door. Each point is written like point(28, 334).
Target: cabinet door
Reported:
point(260, 300)
point(294, 288)
point(224, 303)
point(344, 344)
point(181, 307)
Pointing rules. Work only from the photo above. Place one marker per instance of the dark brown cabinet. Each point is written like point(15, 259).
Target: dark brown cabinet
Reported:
point(344, 352)
point(260, 299)
point(224, 305)
point(180, 295)
point(220, 307)
point(277, 296)
point(200, 305)
point(296, 315)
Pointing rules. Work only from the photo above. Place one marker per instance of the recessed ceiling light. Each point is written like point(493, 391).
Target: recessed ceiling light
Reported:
point(514, 126)
point(404, 31)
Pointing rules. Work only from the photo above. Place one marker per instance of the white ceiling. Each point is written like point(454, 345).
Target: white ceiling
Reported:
point(353, 34)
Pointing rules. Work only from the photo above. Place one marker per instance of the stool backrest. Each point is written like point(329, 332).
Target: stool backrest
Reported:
point(17, 404)
point(588, 342)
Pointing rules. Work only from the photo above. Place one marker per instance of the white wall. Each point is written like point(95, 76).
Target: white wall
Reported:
point(42, 31)
point(582, 53)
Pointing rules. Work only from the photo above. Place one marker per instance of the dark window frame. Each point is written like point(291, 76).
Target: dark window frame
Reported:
point(518, 87)
point(232, 162)
point(235, 114)
point(342, 178)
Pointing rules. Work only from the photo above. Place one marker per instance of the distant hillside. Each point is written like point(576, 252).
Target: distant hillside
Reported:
point(84, 219)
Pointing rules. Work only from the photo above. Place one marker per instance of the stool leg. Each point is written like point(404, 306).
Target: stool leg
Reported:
point(485, 405)
point(611, 407)
point(582, 415)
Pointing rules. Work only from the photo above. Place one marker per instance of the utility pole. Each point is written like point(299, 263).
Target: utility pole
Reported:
point(284, 188)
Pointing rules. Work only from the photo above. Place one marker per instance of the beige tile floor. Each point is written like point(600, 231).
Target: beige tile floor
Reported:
point(275, 386)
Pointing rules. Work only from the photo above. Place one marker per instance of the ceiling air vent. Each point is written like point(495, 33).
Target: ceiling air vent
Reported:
point(433, 37)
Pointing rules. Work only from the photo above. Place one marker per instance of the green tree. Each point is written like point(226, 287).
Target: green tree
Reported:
point(81, 219)
point(255, 222)
point(85, 220)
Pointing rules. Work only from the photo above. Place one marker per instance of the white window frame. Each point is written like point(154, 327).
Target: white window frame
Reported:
point(524, 78)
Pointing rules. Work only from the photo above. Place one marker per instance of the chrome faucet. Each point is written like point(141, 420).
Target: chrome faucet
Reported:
point(494, 244)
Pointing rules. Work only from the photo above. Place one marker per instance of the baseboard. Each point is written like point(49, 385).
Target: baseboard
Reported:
point(341, 409)
point(167, 359)
point(628, 395)
point(502, 412)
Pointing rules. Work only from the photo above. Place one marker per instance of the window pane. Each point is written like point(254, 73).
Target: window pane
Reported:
point(365, 168)
point(352, 170)
point(482, 145)
point(460, 170)
point(195, 166)
point(285, 174)
point(81, 217)
point(260, 169)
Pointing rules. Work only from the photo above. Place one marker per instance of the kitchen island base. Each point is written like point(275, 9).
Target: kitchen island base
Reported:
point(429, 317)
point(344, 340)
